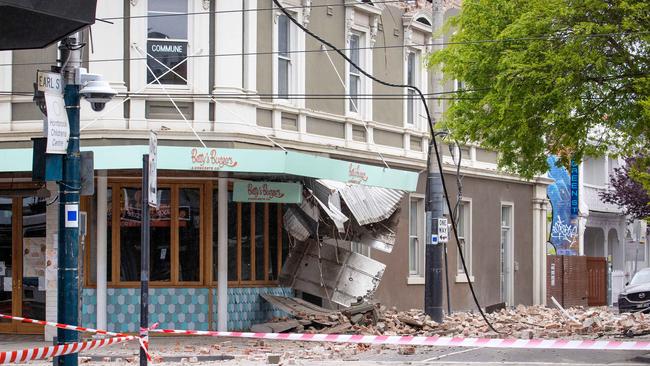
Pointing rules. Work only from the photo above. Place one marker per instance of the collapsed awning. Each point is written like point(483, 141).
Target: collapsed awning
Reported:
point(334, 274)
point(39, 23)
point(233, 160)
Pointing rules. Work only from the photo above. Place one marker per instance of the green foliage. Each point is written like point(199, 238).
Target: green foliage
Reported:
point(564, 77)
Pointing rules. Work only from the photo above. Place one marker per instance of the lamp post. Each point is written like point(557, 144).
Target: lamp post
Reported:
point(69, 187)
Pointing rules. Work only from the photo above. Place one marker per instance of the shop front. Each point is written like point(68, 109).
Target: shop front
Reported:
point(22, 256)
point(254, 188)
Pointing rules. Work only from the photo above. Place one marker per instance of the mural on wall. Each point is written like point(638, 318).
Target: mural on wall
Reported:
point(563, 194)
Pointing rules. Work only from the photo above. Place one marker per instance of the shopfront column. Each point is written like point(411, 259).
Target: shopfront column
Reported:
point(222, 254)
point(102, 250)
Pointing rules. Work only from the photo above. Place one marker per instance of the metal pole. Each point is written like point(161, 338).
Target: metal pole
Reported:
point(68, 273)
point(222, 254)
point(446, 268)
point(144, 260)
point(433, 276)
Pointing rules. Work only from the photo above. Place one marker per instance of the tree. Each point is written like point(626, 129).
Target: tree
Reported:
point(627, 192)
point(563, 77)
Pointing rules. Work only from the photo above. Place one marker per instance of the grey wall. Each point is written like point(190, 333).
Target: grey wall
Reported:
point(388, 65)
point(264, 44)
point(23, 76)
point(321, 77)
point(486, 234)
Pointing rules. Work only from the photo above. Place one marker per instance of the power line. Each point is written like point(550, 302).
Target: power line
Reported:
point(293, 7)
point(434, 44)
point(269, 95)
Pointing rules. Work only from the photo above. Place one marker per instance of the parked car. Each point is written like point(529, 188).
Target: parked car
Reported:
point(636, 294)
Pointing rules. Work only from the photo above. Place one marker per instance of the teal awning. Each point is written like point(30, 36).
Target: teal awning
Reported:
point(232, 160)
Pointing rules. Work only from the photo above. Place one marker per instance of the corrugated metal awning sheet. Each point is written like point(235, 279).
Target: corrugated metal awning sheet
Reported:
point(367, 204)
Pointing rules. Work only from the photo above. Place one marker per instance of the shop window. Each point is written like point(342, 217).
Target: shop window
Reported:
point(189, 234)
point(130, 231)
point(167, 41)
point(256, 246)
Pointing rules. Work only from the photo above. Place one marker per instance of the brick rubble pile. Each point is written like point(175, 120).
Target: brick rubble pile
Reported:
point(521, 322)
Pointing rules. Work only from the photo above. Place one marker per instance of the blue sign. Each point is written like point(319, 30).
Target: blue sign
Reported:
point(564, 229)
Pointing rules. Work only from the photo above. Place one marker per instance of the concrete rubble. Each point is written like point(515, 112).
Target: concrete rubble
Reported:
point(526, 322)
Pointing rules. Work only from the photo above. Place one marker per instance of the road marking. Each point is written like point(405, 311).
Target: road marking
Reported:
point(450, 354)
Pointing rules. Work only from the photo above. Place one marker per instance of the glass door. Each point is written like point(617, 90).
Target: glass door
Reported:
point(6, 263)
point(32, 278)
point(22, 262)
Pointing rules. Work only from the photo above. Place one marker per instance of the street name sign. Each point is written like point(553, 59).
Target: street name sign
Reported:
point(153, 169)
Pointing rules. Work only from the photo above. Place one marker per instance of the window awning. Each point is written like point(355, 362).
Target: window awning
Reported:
point(38, 23)
point(232, 160)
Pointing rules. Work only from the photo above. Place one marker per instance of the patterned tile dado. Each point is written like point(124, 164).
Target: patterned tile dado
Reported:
point(180, 308)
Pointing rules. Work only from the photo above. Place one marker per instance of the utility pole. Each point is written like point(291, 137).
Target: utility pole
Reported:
point(69, 187)
point(435, 227)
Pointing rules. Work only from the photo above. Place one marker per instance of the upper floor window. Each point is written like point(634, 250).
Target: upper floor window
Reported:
point(354, 77)
point(167, 39)
point(464, 226)
point(411, 79)
point(416, 236)
point(284, 56)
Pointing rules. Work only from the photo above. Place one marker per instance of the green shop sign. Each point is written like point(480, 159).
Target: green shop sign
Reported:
point(232, 160)
point(273, 192)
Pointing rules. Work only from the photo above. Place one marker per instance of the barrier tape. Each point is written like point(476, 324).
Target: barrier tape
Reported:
point(143, 343)
point(63, 326)
point(428, 341)
point(42, 353)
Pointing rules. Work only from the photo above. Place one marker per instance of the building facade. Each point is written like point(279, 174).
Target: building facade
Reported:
point(238, 93)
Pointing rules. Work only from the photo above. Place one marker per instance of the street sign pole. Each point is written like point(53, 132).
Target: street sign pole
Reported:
point(149, 199)
point(433, 252)
point(69, 187)
point(144, 260)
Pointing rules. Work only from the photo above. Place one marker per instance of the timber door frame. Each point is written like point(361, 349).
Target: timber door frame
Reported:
point(17, 273)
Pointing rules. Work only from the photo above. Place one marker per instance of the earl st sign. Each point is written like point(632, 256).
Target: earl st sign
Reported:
point(49, 82)
point(57, 128)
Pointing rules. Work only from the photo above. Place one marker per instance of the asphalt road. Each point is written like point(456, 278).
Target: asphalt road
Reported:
point(176, 352)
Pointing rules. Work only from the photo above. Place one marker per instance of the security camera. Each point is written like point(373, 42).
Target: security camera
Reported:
point(95, 90)
point(97, 93)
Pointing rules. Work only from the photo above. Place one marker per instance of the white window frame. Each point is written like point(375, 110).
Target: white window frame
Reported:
point(466, 235)
point(354, 107)
point(297, 65)
point(145, 38)
point(416, 276)
point(510, 251)
point(364, 104)
point(421, 83)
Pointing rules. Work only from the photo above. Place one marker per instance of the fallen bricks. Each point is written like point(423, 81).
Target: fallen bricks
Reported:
point(525, 322)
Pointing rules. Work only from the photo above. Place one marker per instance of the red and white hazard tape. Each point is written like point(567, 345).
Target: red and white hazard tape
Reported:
point(144, 343)
point(42, 353)
point(63, 326)
point(427, 341)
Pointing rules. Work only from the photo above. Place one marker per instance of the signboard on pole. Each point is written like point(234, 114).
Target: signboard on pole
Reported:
point(153, 173)
point(272, 192)
point(57, 128)
point(49, 82)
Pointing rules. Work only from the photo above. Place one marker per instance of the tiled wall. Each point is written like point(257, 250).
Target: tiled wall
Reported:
point(181, 308)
